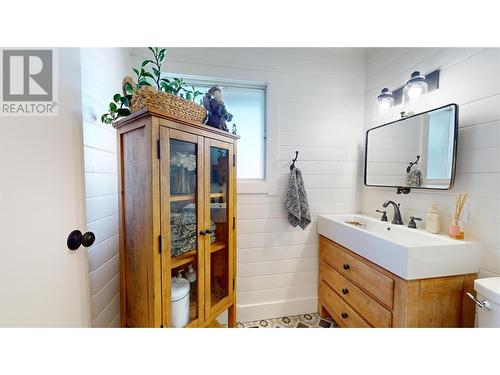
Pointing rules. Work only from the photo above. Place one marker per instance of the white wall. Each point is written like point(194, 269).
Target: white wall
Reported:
point(102, 74)
point(470, 77)
point(317, 104)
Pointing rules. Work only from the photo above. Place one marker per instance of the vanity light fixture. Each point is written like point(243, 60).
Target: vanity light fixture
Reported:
point(385, 105)
point(416, 89)
point(415, 94)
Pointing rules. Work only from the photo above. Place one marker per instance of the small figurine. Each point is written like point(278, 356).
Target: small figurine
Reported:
point(217, 113)
point(234, 128)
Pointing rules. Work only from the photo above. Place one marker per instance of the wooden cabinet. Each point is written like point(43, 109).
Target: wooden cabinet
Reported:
point(357, 293)
point(177, 196)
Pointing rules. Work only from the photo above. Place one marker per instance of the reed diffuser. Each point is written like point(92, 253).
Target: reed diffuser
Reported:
point(456, 229)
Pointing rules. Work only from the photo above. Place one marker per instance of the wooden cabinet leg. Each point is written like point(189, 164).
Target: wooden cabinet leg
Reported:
point(322, 311)
point(231, 316)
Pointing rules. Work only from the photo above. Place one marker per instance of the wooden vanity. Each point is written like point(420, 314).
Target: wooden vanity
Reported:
point(357, 293)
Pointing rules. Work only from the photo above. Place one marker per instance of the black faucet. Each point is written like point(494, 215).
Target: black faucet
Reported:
point(397, 214)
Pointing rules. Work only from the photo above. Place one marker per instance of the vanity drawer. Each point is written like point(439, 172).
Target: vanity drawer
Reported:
point(374, 282)
point(370, 309)
point(340, 311)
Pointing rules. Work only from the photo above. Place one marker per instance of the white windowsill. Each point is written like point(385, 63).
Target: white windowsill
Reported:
point(250, 186)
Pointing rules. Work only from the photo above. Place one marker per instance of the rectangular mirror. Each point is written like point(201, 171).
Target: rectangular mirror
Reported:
point(418, 152)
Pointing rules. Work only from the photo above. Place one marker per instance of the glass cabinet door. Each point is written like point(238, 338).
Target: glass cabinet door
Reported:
point(219, 224)
point(181, 194)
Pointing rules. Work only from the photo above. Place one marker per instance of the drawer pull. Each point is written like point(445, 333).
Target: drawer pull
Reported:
point(344, 315)
point(345, 291)
point(346, 266)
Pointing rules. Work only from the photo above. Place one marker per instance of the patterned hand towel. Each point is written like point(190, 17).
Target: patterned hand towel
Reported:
point(414, 178)
point(296, 201)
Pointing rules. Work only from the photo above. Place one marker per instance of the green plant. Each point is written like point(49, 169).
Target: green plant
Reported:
point(120, 106)
point(142, 76)
point(159, 56)
point(192, 94)
point(173, 86)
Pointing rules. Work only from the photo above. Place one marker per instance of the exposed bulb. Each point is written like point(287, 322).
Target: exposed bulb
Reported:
point(414, 91)
point(384, 105)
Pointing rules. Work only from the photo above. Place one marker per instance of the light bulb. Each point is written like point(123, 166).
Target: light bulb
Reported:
point(414, 91)
point(384, 105)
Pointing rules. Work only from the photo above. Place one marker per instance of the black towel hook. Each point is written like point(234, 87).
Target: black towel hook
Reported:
point(408, 169)
point(294, 160)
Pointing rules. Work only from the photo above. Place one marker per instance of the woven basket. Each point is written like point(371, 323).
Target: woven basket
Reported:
point(149, 97)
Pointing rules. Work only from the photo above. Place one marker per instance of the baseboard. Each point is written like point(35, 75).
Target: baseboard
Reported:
point(248, 313)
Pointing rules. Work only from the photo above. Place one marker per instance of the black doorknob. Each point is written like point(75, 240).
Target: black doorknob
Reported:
point(345, 291)
point(346, 266)
point(76, 238)
point(344, 315)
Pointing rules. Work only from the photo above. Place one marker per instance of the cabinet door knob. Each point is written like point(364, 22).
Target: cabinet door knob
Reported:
point(346, 266)
point(345, 291)
point(203, 232)
point(344, 315)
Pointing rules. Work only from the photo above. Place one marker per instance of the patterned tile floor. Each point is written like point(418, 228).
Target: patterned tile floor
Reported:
point(312, 320)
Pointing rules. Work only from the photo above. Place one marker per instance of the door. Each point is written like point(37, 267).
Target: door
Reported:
point(181, 192)
point(219, 225)
point(42, 282)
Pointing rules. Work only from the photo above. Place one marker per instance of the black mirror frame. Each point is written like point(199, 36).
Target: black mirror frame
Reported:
point(454, 162)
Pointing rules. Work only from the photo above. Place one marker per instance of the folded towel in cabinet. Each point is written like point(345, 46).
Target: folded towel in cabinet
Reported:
point(296, 201)
point(183, 233)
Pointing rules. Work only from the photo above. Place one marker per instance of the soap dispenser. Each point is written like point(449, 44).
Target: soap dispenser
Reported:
point(432, 222)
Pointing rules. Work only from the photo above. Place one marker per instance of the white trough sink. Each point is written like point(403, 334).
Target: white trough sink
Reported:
point(409, 253)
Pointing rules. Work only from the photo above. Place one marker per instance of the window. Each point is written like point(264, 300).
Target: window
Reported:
point(247, 102)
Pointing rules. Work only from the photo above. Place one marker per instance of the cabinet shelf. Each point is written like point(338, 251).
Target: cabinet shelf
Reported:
point(217, 195)
point(182, 197)
point(217, 245)
point(183, 259)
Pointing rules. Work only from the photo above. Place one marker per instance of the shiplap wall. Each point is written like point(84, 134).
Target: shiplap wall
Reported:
point(318, 106)
point(102, 74)
point(470, 77)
